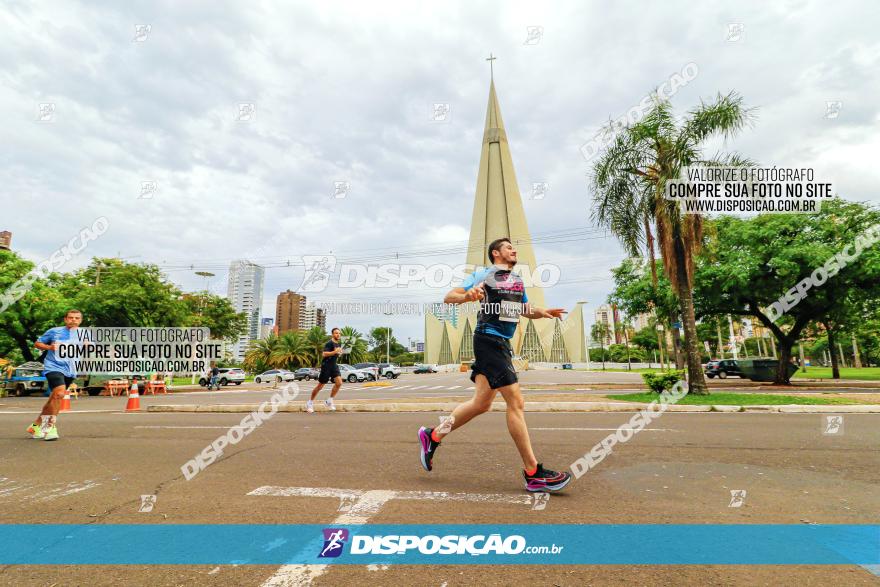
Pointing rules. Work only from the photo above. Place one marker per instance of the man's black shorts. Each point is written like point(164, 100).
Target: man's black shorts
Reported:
point(493, 357)
point(329, 374)
point(56, 378)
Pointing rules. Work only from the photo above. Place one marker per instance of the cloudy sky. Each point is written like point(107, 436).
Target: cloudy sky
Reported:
point(344, 92)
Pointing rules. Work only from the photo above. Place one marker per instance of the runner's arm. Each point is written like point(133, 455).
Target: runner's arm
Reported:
point(459, 295)
point(536, 312)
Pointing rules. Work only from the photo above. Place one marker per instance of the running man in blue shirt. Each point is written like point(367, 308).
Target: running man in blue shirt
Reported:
point(503, 300)
point(59, 374)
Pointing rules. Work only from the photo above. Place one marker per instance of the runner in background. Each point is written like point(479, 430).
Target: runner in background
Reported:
point(329, 371)
point(59, 374)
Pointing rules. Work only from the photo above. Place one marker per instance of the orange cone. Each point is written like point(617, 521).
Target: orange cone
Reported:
point(134, 399)
point(65, 402)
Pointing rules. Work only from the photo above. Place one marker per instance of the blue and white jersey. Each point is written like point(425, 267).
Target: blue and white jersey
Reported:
point(503, 303)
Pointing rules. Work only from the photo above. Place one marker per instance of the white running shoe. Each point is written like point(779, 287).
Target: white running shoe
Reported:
point(310, 406)
point(329, 403)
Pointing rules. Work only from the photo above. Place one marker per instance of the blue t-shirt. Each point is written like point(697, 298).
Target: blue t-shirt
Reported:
point(503, 290)
point(53, 363)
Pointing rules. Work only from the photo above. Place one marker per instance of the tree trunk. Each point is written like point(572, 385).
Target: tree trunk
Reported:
point(857, 361)
point(782, 377)
point(835, 368)
point(26, 347)
point(696, 381)
point(676, 344)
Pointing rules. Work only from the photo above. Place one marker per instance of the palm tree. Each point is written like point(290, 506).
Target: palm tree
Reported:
point(259, 355)
point(354, 340)
point(599, 332)
point(316, 338)
point(292, 351)
point(628, 183)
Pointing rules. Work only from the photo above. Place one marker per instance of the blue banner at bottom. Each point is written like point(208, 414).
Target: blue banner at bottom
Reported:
point(426, 544)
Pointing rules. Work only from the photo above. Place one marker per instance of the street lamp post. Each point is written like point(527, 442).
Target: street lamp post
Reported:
point(387, 344)
point(207, 275)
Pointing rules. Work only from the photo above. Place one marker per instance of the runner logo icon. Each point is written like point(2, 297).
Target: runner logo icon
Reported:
point(334, 540)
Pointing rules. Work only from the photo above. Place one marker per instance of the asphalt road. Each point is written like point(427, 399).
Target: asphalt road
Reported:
point(437, 385)
point(680, 471)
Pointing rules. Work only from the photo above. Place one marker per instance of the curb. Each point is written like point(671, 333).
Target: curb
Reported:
point(529, 407)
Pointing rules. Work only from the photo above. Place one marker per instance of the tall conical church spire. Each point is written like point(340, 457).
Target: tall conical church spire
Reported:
point(498, 209)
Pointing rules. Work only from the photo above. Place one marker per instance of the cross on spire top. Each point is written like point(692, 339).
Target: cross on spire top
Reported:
point(490, 59)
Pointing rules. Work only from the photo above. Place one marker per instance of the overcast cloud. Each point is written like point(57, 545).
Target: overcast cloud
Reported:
point(344, 91)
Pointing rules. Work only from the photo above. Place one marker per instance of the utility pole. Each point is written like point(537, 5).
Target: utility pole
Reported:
point(803, 362)
point(720, 342)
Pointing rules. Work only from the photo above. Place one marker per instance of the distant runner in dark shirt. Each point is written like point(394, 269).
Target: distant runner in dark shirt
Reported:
point(329, 371)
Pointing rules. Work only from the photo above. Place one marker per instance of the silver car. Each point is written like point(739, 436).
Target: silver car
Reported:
point(351, 374)
point(275, 376)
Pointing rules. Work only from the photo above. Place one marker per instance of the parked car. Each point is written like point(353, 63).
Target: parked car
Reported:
point(226, 376)
point(274, 375)
point(25, 379)
point(424, 369)
point(306, 373)
point(722, 369)
point(371, 368)
point(351, 374)
point(389, 370)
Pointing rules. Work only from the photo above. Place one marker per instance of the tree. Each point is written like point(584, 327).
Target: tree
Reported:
point(40, 307)
point(636, 291)
point(111, 292)
point(316, 338)
point(750, 263)
point(291, 352)
point(354, 340)
point(214, 312)
point(258, 357)
point(379, 340)
point(599, 332)
point(629, 180)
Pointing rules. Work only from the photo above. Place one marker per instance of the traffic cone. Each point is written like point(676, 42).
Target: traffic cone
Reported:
point(134, 399)
point(65, 401)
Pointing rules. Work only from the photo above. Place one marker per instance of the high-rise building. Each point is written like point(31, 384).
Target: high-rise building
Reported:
point(289, 309)
point(5, 240)
point(313, 316)
point(293, 311)
point(607, 314)
point(267, 327)
point(245, 291)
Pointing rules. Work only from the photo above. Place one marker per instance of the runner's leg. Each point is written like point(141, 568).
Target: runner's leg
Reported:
point(516, 424)
point(52, 405)
point(479, 404)
point(337, 383)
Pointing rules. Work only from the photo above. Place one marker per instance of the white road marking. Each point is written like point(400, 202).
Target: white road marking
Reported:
point(611, 429)
point(65, 413)
point(186, 427)
point(367, 504)
point(360, 505)
point(437, 387)
point(454, 387)
point(418, 387)
point(48, 492)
